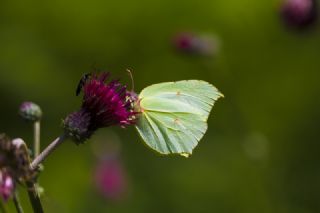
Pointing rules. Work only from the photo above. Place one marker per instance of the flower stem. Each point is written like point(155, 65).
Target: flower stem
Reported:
point(44, 154)
point(36, 143)
point(17, 203)
point(34, 198)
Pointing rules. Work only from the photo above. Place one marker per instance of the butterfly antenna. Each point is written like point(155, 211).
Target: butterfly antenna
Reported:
point(132, 81)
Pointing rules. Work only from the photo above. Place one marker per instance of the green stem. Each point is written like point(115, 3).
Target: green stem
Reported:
point(36, 144)
point(32, 192)
point(34, 198)
point(46, 152)
point(17, 203)
point(2, 207)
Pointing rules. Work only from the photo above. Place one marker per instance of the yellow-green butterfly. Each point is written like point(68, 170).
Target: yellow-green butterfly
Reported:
point(174, 115)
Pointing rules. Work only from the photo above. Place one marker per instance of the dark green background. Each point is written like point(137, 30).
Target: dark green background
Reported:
point(261, 152)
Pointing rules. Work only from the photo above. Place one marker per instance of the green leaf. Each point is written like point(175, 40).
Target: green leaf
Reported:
point(174, 115)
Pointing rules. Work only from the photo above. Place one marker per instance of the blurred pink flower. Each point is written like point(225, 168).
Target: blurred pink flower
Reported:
point(6, 185)
point(110, 179)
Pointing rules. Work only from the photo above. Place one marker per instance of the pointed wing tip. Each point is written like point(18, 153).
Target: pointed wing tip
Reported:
point(220, 94)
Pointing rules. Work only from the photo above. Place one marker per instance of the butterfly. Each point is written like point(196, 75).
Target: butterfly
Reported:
point(174, 115)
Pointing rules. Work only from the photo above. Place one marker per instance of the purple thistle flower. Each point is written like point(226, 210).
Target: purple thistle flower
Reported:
point(7, 185)
point(299, 13)
point(104, 104)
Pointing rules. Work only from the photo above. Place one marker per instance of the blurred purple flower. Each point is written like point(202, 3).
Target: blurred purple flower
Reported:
point(6, 185)
point(299, 13)
point(196, 44)
point(184, 42)
point(110, 179)
point(103, 105)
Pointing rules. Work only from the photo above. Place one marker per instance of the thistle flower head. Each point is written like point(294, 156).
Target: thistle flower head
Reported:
point(30, 111)
point(105, 103)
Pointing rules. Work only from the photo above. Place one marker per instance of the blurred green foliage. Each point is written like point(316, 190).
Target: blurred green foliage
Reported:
point(260, 153)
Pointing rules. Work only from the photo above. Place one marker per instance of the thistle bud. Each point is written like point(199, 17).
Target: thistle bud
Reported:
point(30, 111)
point(76, 125)
point(14, 159)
